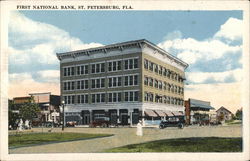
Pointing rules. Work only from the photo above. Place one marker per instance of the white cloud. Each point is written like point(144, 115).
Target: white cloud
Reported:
point(38, 42)
point(231, 29)
point(191, 50)
point(202, 77)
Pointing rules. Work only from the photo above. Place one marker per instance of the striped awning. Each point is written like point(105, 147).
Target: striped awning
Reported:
point(150, 113)
point(168, 113)
point(177, 113)
point(160, 113)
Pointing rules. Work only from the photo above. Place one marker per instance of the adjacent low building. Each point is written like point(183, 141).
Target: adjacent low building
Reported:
point(48, 104)
point(197, 111)
point(125, 82)
point(224, 114)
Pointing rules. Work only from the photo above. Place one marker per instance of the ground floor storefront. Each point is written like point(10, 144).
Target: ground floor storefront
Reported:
point(121, 114)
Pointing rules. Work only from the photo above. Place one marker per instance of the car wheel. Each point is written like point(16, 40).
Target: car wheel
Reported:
point(161, 127)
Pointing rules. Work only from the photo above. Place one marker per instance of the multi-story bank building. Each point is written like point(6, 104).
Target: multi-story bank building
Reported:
point(127, 82)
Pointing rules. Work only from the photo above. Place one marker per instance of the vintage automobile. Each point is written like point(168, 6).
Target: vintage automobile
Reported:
point(100, 122)
point(174, 122)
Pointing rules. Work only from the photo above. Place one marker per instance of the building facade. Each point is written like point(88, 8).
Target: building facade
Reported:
point(48, 104)
point(126, 82)
point(198, 111)
point(224, 114)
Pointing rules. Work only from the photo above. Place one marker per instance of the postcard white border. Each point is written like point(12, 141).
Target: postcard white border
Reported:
point(6, 6)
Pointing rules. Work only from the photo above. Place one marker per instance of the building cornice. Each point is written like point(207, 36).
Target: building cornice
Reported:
point(142, 43)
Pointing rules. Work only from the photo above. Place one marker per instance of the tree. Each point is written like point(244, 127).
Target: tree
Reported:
point(238, 114)
point(13, 116)
point(29, 110)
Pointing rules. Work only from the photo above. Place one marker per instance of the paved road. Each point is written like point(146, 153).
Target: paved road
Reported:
point(125, 136)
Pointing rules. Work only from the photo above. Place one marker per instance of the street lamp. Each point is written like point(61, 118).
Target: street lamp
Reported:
point(63, 115)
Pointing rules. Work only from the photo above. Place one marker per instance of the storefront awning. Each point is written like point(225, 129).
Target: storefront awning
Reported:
point(150, 113)
point(168, 113)
point(160, 113)
point(177, 113)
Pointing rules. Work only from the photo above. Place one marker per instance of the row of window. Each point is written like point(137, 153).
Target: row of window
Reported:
point(150, 97)
point(129, 96)
point(158, 69)
point(130, 80)
point(100, 67)
point(148, 81)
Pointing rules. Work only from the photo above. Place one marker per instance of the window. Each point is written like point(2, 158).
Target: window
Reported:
point(114, 66)
point(98, 83)
point(165, 72)
point(68, 71)
point(81, 99)
point(126, 81)
point(72, 71)
point(131, 96)
point(131, 64)
point(93, 68)
point(135, 63)
point(110, 66)
point(69, 99)
point(145, 80)
point(65, 71)
point(102, 67)
point(151, 82)
point(164, 85)
point(119, 65)
point(70, 85)
point(160, 70)
point(131, 80)
point(151, 65)
point(160, 84)
point(156, 83)
point(156, 68)
point(151, 97)
point(145, 63)
point(98, 98)
point(98, 68)
point(126, 64)
point(78, 86)
point(83, 69)
point(115, 81)
point(115, 97)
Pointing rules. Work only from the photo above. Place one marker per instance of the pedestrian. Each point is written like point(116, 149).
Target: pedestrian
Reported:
point(139, 129)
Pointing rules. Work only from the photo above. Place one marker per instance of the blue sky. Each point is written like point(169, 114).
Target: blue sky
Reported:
point(108, 27)
point(209, 41)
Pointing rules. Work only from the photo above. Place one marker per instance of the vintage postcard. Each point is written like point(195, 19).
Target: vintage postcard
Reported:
point(124, 80)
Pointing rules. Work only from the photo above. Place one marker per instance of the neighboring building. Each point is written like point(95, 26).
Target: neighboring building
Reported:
point(126, 82)
point(17, 102)
point(197, 111)
point(224, 114)
point(48, 103)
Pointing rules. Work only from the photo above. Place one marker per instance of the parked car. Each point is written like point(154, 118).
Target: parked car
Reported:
point(71, 123)
point(179, 122)
point(101, 122)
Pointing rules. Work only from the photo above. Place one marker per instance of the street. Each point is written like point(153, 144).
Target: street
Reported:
point(125, 136)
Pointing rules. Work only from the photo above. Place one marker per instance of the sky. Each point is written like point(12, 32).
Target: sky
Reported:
point(209, 41)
